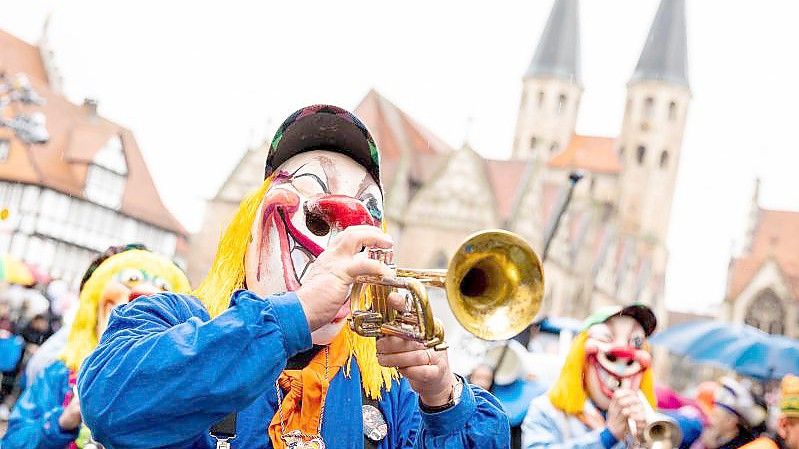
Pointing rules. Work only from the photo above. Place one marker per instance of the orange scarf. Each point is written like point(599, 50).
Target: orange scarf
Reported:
point(305, 389)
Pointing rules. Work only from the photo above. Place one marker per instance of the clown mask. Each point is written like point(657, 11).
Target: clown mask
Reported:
point(313, 196)
point(120, 278)
point(130, 275)
point(615, 358)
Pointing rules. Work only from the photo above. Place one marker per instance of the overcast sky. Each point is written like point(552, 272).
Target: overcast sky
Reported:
point(200, 81)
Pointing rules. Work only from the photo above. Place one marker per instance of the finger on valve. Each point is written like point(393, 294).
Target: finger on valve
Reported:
point(353, 239)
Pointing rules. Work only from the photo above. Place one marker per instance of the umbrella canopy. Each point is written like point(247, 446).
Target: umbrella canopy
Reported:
point(741, 348)
point(14, 271)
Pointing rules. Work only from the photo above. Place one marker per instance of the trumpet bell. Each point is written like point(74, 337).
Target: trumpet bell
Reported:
point(495, 284)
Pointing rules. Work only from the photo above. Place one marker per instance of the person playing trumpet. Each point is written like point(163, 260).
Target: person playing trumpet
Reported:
point(265, 338)
point(595, 400)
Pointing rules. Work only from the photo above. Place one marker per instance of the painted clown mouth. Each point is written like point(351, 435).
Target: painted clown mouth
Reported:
point(610, 381)
point(302, 255)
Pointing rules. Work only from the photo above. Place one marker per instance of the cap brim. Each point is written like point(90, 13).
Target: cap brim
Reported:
point(644, 315)
point(323, 132)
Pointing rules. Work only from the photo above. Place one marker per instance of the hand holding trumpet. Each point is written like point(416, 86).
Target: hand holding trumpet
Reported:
point(625, 409)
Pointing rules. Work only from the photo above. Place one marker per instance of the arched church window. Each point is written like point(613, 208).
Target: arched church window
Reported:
point(664, 159)
point(649, 104)
point(554, 148)
point(672, 111)
point(641, 154)
point(766, 313)
point(561, 103)
point(540, 98)
point(533, 142)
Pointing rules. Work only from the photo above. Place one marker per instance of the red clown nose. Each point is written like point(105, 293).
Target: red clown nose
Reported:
point(336, 212)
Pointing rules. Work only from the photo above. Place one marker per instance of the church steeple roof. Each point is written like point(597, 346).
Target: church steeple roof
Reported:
point(665, 53)
point(558, 51)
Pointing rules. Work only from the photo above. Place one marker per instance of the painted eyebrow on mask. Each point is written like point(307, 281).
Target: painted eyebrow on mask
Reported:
point(317, 179)
point(363, 185)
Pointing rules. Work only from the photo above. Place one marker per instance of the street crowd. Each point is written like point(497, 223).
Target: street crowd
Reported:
point(260, 354)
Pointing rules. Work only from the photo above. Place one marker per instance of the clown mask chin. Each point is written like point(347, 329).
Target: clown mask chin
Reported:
point(615, 359)
point(313, 196)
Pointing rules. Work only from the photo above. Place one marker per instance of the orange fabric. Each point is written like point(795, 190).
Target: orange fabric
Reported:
point(302, 403)
point(761, 443)
point(592, 419)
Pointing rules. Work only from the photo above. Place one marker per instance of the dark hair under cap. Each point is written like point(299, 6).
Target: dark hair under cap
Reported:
point(111, 251)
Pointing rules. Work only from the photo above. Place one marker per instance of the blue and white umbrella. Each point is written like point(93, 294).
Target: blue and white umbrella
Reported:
point(741, 348)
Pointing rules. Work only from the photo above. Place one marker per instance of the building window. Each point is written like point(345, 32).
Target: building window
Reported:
point(649, 105)
point(105, 187)
point(540, 98)
point(112, 156)
point(641, 154)
point(105, 181)
point(5, 147)
point(561, 103)
point(554, 148)
point(766, 313)
point(672, 111)
point(664, 159)
point(621, 153)
point(533, 142)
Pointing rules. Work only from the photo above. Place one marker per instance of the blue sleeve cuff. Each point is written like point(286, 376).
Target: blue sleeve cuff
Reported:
point(453, 418)
point(291, 319)
point(53, 432)
point(283, 309)
point(607, 439)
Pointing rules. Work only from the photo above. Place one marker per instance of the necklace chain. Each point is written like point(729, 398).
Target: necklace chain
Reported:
point(321, 407)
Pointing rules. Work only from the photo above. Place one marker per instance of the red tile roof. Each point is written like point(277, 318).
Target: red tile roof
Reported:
point(776, 237)
point(76, 135)
point(394, 130)
point(590, 153)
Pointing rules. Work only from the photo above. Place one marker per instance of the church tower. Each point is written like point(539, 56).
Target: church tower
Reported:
point(651, 137)
point(551, 87)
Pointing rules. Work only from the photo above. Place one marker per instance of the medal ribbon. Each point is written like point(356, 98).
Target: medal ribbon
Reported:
point(302, 405)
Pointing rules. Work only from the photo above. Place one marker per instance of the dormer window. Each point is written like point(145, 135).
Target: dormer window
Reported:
point(105, 180)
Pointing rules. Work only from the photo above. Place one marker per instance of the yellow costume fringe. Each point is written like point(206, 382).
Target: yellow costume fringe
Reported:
point(83, 338)
point(568, 393)
point(227, 274)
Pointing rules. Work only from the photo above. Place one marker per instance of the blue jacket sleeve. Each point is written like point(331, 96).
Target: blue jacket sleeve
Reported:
point(477, 421)
point(34, 421)
point(540, 430)
point(164, 372)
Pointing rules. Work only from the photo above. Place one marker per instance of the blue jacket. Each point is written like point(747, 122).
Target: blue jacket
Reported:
point(34, 421)
point(164, 372)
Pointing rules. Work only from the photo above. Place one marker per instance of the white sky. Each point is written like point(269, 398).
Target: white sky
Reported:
point(198, 81)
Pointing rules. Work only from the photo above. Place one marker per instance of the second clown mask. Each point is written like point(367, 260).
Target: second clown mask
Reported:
point(610, 353)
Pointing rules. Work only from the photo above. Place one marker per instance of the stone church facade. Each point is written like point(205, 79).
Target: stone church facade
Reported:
point(610, 245)
point(763, 281)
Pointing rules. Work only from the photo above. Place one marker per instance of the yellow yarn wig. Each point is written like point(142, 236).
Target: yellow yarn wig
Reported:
point(568, 393)
point(83, 338)
point(227, 274)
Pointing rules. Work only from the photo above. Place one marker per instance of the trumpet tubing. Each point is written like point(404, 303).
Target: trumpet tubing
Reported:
point(661, 431)
point(494, 285)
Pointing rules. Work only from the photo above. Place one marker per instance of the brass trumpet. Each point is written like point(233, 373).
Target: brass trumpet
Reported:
point(661, 431)
point(494, 285)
